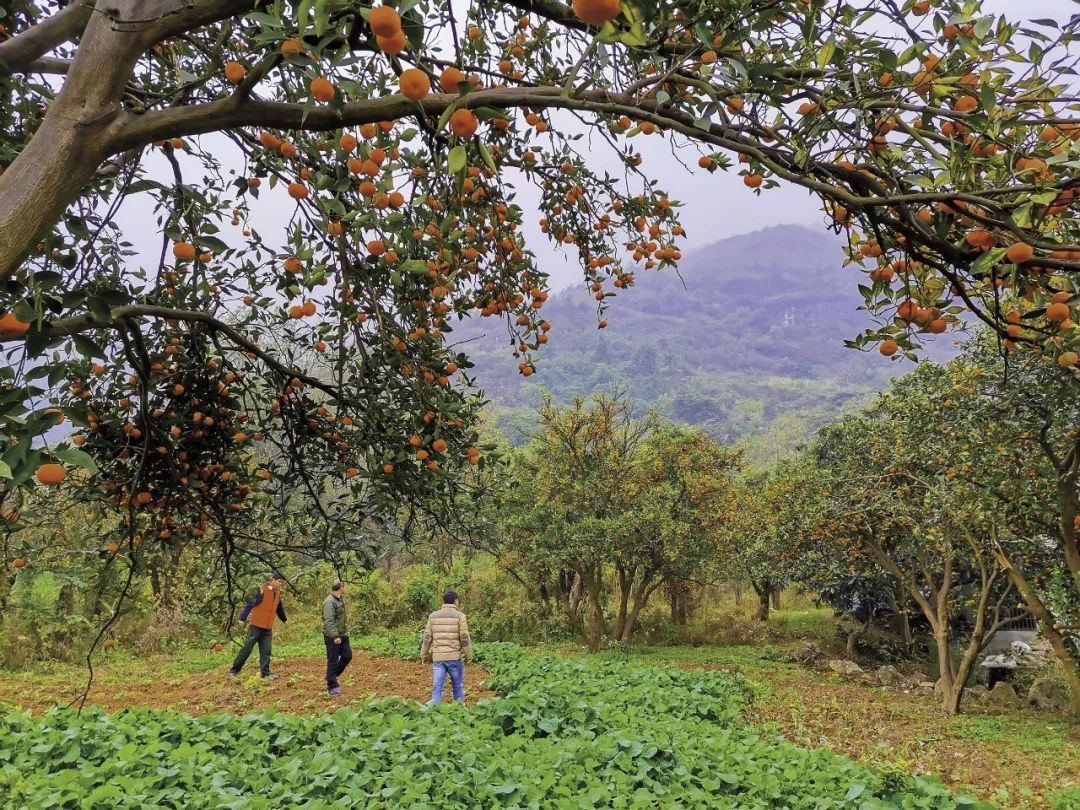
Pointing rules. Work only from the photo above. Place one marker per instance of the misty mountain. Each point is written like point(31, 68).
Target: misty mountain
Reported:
point(745, 341)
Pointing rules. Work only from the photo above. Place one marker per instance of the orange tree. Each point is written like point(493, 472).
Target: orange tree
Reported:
point(1022, 422)
point(900, 493)
point(598, 496)
point(939, 135)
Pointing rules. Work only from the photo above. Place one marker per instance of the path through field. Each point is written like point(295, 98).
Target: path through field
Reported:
point(300, 687)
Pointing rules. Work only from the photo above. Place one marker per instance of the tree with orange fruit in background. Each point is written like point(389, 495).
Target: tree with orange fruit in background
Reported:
point(937, 135)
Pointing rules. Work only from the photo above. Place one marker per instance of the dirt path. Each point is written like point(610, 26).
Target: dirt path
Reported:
point(300, 688)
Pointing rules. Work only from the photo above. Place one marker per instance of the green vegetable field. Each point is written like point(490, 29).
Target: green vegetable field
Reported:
point(565, 734)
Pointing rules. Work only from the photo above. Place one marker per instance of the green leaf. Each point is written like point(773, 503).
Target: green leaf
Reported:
point(457, 159)
point(5, 470)
point(826, 53)
point(75, 457)
point(485, 153)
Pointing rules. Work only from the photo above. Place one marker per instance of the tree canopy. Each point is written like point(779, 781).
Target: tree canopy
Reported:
point(239, 366)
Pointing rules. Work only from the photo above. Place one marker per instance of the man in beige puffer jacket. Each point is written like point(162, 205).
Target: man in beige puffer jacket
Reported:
point(446, 641)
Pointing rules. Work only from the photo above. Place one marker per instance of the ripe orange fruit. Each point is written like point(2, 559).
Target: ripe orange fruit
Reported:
point(322, 90)
point(290, 46)
point(219, 647)
point(753, 180)
point(184, 251)
point(889, 347)
point(464, 123)
point(451, 80)
point(384, 21)
point(10, 326)
point(388, 468)
point(293, 265)
point(347, 142)
point(18, 562)
point(937, 326)
point(113, 548)
point(1057, 312)
point(234, 72)
point(439, 445)
point(597, 12)
point(352, 472)
point(392, 45)
point(298, 191)
point(50, 474)
point(308, 308)
point(1067, 359)
point(1020, 252)
point(415, 84)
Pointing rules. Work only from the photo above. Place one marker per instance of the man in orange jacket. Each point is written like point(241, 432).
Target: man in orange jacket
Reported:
point(259, 614)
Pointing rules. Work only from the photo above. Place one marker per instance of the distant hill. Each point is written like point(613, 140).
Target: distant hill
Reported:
point(746, 341)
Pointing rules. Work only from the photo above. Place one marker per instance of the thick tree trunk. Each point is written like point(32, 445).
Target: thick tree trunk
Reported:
point(643, 589)
point(737, 592)
point(627, 579)
point(592, 586)
point(75, 136)
point(776, 599)
point(763, 604)
point(853, 636)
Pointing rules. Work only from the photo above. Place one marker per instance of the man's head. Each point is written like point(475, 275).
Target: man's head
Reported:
point(277, 579)
point(450, 598)
point(339, 588)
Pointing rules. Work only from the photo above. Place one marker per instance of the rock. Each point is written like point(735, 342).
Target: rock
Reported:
point(890, 676)
point(1049, 695)
point(919, 678)
point(844, 667)
point(810, 655)
point(866, 679)
point(928, 686)
point(1003, 694)
point(976, 692)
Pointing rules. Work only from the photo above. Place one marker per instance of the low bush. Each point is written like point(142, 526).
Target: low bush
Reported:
point(583, 732)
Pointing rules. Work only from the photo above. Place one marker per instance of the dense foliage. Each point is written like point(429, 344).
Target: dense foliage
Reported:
point(232, 375)
point(576, 733)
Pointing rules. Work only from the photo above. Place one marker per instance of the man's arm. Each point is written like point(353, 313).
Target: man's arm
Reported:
point(425, 647)
point(328, 613)
point(281, 611)
point(463, 636)
point(249, 606)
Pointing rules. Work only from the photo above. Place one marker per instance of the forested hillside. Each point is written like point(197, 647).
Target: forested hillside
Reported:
point(746, 341)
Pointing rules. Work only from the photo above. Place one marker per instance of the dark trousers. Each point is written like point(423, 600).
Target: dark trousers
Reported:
point(256, 635)
point(338, 657)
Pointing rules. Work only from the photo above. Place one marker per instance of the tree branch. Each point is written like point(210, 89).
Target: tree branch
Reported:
point(22, 50)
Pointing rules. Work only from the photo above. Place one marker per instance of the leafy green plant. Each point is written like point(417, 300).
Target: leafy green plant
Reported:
point(583, 732)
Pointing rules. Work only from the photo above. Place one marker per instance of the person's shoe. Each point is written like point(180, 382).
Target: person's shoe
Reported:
point(233, 675)
point(271, 677)
point(335, 691)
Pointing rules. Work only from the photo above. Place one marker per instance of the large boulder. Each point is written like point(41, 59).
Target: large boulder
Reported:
point(890, 676)
point(845, 667)
point(1004, 694)
point(1049, 695)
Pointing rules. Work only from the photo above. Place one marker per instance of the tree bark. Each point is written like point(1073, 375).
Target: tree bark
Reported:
point(776, 599)
point(627, 579)
point(853, 636)
point(75, 137)
point(592, 585)
point(764, 595)
point(643, 590)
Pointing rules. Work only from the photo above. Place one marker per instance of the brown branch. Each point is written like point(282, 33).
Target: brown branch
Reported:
point(22, 50)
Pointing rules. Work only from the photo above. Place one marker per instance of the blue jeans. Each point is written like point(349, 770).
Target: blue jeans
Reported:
point(456, 671)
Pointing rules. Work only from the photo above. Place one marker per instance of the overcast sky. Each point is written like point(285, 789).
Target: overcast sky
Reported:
point(715, 206)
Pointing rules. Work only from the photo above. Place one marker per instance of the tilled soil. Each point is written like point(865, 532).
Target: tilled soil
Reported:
point(299, 689)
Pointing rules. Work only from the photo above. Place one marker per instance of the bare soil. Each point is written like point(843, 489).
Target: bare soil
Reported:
point(300, 688)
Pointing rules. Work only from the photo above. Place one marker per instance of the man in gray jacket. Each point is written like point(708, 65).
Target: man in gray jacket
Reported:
point(336, 635)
